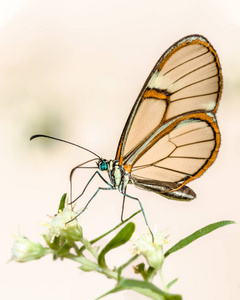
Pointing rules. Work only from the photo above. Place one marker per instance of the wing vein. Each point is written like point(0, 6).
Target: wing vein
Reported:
point(192, 130)
point(195, 96)
point(194, 84)
point(193, 72)
point(186, 62)
point(169, 169)
point(199, 142)
point(188, 157)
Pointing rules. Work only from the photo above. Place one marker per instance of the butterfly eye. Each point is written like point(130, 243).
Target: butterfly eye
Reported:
point(103, 166)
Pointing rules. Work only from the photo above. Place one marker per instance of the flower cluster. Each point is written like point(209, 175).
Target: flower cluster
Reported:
point(64, 239)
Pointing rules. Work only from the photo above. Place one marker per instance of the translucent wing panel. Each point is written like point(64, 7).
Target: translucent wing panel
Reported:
point(153, 173)
point(185, 165)
point(182, 153)
point(186, 79)
point(198, 74)
point(203, 87)
point(161, 149)
point(187, 66)
point(199, 150)
point(192, 82)
point(183, 55)
point(149, 114)
point(203, 102)
point(191, 133)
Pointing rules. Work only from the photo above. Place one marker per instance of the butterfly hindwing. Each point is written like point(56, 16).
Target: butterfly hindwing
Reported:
point(178, 152)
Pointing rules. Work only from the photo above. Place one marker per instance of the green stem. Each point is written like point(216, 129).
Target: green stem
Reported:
point(90, 248)
point(125, 265)
point(75, 247)
point(151, 273)
point(165, 288)
point(86, 262)
point(49, 251)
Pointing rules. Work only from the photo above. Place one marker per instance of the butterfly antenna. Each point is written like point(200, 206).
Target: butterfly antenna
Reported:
point(53, 138)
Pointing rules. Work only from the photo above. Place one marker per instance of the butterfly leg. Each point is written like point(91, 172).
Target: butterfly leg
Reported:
point(96, 173)
point(100, 188)
point(123, 203)
point(145, 218)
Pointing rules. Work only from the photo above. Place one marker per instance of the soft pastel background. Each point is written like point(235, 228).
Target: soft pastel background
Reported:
point(73, 69)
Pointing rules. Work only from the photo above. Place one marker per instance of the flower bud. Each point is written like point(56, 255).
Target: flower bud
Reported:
point(24, 250)
point(59, 227)
point(152, 251)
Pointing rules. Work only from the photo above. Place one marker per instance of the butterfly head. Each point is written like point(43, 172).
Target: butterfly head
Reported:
point(102, 164)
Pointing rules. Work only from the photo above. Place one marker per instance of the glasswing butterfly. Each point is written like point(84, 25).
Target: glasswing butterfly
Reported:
point(171, 136)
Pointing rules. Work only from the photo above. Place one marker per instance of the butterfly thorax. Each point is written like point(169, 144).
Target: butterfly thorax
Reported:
point(118, 176)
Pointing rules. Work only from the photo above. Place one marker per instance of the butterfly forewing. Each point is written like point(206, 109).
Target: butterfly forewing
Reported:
point(171, 135)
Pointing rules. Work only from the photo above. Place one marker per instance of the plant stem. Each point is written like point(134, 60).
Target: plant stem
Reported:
point(163, 282)
point(86, 262)
point(49, 251)
point(90, 248)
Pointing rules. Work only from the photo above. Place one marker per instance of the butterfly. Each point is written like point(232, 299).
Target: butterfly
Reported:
point(171, 136)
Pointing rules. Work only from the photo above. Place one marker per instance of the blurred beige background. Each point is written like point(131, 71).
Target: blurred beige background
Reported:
point(73, 69)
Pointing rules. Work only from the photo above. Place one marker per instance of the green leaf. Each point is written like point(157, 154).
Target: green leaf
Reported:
point(172, 282)
point(102, 236)
point(62, 202)
point(55, 244)
point(121, 238)
point(143, 287)
point(64, 249)
point(197, 234)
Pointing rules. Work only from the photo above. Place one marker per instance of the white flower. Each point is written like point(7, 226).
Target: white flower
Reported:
point(24, 250)
point(152, 251)
point(58, 226)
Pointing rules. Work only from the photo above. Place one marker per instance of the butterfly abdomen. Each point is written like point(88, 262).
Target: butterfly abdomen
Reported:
point(167, 189)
